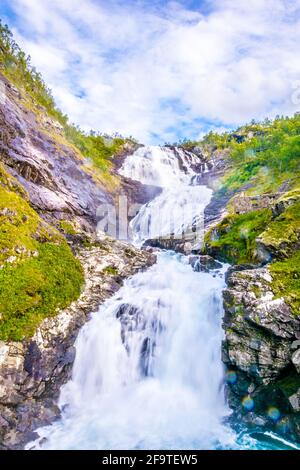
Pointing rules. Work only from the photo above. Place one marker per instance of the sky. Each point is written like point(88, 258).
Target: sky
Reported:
point(159, 70)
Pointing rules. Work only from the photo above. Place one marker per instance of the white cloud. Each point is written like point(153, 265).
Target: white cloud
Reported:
point(141, 70)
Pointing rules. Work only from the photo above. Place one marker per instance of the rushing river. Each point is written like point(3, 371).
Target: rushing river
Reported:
point(148, 371)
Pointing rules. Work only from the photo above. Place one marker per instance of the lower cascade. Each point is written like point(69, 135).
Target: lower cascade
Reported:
point(148, 371)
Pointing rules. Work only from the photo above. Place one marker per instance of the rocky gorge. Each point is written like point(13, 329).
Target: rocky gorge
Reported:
point(261, 310)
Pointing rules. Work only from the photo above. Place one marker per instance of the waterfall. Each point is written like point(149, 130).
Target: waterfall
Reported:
point(148, 371)
point(180, 205)
point(161, 166)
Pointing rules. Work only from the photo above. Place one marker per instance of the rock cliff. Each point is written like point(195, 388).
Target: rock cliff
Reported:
point(262, 353)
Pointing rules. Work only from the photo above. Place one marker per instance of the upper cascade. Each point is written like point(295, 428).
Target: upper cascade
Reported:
point(180, 206)
point(161, 166)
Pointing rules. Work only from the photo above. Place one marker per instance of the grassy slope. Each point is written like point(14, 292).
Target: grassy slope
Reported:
point(264, 159)
point(38, 272)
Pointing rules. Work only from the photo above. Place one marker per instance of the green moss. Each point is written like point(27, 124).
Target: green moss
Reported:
point(256, 290)
point(286, 280)
point(236, 234)
point(112, 270)
point(38, 272)
point(36, 289)
point(10, 183)
point(21, 229)
point(285, 229)
point(67, 227)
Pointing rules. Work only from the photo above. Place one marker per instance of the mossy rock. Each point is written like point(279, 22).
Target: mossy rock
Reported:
point(21, 229)
point(36, 288)
point(286, 280)
point(235, 242)
point(38, 271)
point(111, 270)
point(283, 233)
point(67, 227)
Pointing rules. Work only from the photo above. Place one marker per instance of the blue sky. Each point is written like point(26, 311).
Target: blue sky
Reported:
point(163, 70)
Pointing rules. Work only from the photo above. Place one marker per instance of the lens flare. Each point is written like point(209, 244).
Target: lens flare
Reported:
point(231, 377)
point(248, 403)
point(273, 413)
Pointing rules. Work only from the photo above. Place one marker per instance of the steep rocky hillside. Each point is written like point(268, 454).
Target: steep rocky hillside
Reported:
point(259, 234)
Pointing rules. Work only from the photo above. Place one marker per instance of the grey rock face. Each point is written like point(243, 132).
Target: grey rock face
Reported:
point(261, 349)
point(204, 263)
point(296, 360)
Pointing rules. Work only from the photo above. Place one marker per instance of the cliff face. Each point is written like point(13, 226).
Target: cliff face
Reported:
point(53, 172)
point(262, 353)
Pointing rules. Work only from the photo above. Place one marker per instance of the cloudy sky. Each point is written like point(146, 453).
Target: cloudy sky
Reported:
point(163, 70)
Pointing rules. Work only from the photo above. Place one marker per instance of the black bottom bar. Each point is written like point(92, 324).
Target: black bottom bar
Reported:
point(135, 459)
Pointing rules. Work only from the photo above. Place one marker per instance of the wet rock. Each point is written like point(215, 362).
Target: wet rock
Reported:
point(261, 347)
point(204, 263)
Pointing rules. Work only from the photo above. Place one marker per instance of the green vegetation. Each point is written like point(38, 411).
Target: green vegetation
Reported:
point(283, 232)
point(98, 150)
point(21, 228)
point(286, 280)
point(236, 235)
point(112, 270)
point(38, 272)
point(18, 69)
point(269, 159)
point(67, 227)
point(263, 156)
point(210, 141)
point(8, 182)
point(36, 289)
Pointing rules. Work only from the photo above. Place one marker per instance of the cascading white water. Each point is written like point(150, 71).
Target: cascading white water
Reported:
point(180, 205)
point(160, 166)
point(148, 371)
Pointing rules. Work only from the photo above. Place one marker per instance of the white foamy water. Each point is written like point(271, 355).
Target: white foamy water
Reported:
point(150, 375)
point(180, 204)
point(160, 166)
point(148, 371)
